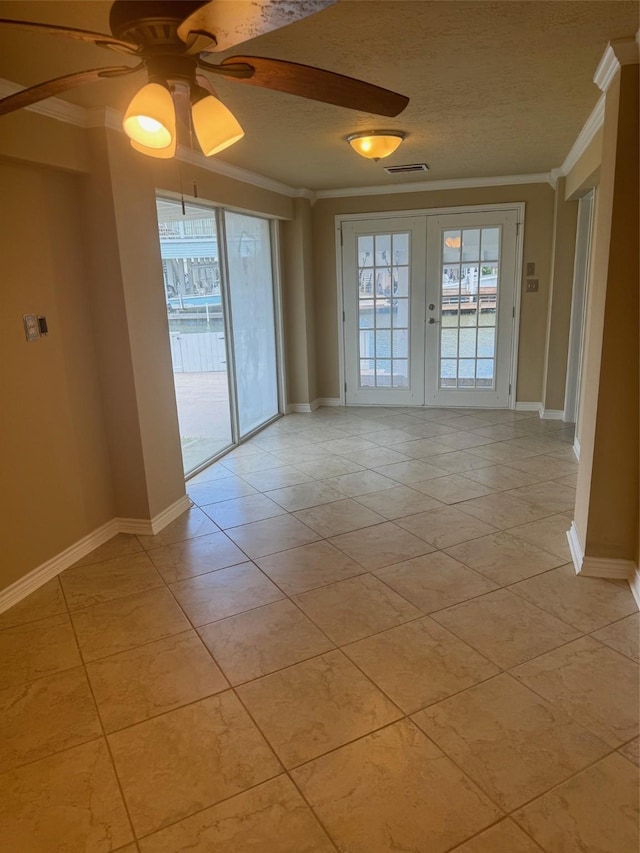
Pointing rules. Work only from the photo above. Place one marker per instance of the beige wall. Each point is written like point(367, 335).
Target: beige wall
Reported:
point(565, 216)
point(585, 174)
point(29, 137)
point(89, 423)
point(539, 201)
point(56, 480)
point(111, 337)
point(170, 176)
point(297, 293)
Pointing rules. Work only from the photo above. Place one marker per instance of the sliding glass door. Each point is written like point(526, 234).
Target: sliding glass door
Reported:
point(219, 292)
point(191, 269)
point(252, 319)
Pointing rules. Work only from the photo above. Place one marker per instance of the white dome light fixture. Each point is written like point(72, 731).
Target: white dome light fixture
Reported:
point(376, 144)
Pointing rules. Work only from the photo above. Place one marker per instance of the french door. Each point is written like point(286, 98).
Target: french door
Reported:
point(429, 309)
point(384, 264)
point(471, 267)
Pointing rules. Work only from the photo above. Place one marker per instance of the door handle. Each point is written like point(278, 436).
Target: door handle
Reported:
point(432, 320)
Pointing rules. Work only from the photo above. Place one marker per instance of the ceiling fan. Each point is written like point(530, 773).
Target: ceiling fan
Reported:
point(174, 40)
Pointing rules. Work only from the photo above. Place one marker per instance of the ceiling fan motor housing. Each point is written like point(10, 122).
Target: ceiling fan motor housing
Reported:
point(152, 25)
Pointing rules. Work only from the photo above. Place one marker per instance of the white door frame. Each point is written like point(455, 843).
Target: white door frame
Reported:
point(519, 207)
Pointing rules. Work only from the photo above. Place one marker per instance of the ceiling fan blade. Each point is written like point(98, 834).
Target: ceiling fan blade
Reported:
point(60, 84)
point(314, 83)
point(230, 23)
point(99, 39)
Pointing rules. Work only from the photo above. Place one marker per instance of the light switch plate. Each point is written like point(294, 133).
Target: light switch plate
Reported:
point(31, 327)
point(531, 268)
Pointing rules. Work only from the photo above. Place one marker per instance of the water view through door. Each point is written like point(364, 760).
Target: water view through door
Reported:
point(191, 269)
point(471, 262)
point(221, 306)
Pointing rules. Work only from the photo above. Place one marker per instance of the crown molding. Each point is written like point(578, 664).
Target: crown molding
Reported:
point(104, 117)
point(426, 186)
point(112, 119)
point(591, 126)
point(617, 53)
point(196, 158)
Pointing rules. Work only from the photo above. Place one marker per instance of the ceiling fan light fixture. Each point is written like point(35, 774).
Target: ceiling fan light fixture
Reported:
point(376, 144)
point(160, 153)
point(215, 126)
point(150, 120)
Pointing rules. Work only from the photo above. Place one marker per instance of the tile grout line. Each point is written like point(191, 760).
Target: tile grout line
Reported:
point(102, 727)
point(339, 647)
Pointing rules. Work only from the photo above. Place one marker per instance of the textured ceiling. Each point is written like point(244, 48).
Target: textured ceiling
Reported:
point(496, 88)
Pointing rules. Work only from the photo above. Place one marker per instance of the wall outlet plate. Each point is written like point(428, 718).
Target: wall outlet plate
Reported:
point(31, 327)
point(532, 285)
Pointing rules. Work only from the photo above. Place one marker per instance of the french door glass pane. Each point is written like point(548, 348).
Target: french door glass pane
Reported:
point(383, 306)
point(469, 295)
point(252, 318)
point(195, 310)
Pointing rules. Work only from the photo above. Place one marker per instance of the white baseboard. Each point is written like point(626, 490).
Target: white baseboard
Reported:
point(634, 583)
point(48, 570)
point(551, 414)
point(151, 526)
point(293, 408)
point(302, 408)
point(576, 449)
point(603, 567)
point(577, 554)
point(597, 567)
point(547, 414)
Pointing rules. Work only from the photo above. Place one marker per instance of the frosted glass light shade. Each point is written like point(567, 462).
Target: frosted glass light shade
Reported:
point(160, 153)
point(375, 144)
point(216, 127)
point(150, 120)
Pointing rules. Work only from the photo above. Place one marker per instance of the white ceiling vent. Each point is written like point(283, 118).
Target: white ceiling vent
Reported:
point(409, 167)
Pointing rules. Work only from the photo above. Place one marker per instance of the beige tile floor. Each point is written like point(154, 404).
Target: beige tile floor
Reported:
point(365, 636)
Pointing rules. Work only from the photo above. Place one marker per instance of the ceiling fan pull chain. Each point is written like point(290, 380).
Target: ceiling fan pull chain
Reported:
point(184, 210)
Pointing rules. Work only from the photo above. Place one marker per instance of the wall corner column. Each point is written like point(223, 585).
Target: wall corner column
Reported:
point(604, 534)
point(130, 329)
point(298, 306)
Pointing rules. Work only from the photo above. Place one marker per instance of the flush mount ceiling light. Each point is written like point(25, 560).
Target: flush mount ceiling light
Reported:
point(376, 144)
